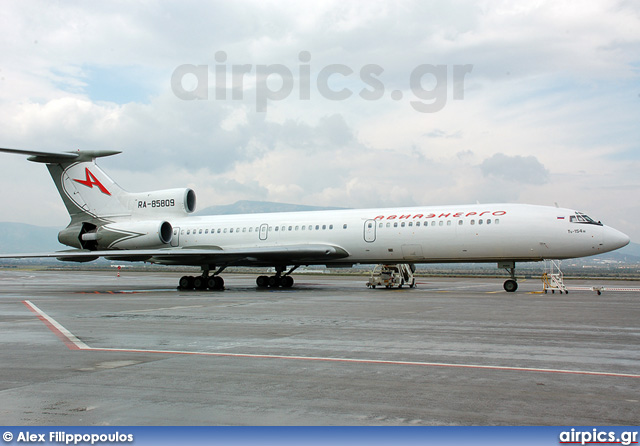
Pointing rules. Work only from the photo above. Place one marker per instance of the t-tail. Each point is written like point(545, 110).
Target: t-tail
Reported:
point(103, 215)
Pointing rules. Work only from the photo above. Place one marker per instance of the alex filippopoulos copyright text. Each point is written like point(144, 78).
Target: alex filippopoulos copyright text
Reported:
point(65, 438)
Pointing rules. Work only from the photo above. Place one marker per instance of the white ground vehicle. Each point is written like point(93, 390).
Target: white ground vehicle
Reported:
point(391, 276)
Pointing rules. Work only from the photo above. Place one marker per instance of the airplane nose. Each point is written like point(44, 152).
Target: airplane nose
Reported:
point(614, 239)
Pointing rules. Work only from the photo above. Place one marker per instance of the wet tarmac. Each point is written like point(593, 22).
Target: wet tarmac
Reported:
point(89, 348)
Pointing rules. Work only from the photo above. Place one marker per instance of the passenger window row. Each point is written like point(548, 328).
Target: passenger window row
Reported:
point(283, 228)
point(425, 224)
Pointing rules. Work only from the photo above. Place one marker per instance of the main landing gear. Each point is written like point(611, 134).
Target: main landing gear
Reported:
point(510, 285)
point(203, 282)
point(216, 283)
point(278, 280)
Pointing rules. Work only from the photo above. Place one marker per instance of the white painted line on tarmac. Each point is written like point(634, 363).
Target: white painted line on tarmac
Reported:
point(75, 344)
point(67, 337)
point(604, 288)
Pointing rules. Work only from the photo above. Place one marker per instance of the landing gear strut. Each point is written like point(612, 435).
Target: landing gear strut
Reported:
point(510, 285)
point(277, 280)
point(203, 282)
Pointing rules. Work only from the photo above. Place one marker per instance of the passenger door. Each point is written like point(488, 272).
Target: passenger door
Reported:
point(370, 231)
point(175, 239)
point(264, 231)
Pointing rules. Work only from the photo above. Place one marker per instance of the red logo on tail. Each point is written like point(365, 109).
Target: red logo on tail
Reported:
point(91, 180)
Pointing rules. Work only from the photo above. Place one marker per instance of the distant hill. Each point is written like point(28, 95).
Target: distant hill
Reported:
point(632, 249)
point(628, 254)
point(257, 207)
point(22, 238)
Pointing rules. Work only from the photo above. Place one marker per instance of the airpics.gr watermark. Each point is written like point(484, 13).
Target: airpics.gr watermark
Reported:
point(427, 83)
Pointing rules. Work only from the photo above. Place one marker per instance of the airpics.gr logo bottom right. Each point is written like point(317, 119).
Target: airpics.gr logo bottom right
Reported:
point(596, 436)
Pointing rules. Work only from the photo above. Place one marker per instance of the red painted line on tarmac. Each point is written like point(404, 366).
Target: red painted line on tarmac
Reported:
point(111, 292)
point(65, 335)
point(369, 361)
point(74, 343)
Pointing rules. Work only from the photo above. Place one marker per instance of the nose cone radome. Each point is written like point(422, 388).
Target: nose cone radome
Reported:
point(614, 239)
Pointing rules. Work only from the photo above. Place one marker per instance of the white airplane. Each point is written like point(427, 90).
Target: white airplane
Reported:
point(156, 227)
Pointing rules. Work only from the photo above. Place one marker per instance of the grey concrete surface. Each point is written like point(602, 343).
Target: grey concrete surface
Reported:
point(468, 322)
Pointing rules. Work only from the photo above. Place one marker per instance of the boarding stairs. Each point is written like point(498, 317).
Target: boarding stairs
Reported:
point(553, 279)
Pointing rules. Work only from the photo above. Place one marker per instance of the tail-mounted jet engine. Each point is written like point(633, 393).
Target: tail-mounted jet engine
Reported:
point(122, 235)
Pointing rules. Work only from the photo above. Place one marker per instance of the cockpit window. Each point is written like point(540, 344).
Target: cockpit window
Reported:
point(584, 219)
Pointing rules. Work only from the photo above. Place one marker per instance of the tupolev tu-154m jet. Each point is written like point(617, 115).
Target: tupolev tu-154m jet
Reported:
point(156, 227)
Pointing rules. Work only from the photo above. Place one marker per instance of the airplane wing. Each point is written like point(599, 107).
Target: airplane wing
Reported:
point(253, 256)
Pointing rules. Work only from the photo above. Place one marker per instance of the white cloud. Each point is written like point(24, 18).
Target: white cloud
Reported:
point(516, 169)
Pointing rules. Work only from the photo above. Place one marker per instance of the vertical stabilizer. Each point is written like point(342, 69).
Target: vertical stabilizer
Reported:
point(88, 193)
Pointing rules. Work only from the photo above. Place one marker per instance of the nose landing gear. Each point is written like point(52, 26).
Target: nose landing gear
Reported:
point(510, 285)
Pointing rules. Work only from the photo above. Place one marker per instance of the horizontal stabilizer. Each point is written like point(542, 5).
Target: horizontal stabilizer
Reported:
point(61, 157)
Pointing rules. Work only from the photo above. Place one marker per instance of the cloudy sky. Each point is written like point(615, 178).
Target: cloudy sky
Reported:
point(333, 103)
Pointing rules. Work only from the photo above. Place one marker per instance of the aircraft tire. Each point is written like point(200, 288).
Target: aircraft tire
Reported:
point(213, 283)
point(286, 282)
point(186, 283)
point(274, 282)
point(510, 286)
point(262, 281)
point(199, 283)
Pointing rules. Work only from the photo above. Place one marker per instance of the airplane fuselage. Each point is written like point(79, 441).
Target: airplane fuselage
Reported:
point(469, 233)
